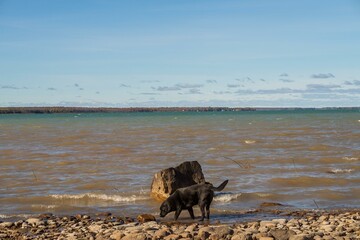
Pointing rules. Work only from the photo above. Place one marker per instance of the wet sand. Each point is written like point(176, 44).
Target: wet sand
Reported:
point(284, 224)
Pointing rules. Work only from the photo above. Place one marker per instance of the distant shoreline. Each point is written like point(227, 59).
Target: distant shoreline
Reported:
point(45, 110)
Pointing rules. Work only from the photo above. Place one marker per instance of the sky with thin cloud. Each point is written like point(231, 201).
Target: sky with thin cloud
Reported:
point(258, 53)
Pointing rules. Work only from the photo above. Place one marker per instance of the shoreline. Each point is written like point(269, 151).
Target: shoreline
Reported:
point(285, 224)
point(60, 109)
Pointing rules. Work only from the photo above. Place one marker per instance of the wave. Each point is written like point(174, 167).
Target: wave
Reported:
point(339, 170)
point(5, 216)
point(350, 158)
point(227, 197)
point(232, 197)
point(43, 206)
point(96, 196)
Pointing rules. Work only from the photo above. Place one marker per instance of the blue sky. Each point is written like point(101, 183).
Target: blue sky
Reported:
point(258, 53)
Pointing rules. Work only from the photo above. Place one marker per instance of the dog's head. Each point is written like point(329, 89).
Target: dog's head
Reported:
point(165, 208)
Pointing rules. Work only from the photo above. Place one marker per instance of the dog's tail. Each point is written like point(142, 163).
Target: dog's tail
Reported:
point(221, 187)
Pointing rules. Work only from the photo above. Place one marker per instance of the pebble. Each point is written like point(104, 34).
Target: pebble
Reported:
point(308, 225)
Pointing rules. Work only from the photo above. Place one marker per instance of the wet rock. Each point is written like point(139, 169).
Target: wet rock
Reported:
point(46, 215)
point(168, 180)
point(270, 204)
point(146, 218)
point(103, 214)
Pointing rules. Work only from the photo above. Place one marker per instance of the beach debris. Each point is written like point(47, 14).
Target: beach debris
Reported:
point(146, 218)
point(166, 181)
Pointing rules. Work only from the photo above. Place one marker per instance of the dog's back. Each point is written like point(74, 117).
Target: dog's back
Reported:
point(185, 198)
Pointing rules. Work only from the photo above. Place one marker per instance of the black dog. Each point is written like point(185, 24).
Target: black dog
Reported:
point(187, 197)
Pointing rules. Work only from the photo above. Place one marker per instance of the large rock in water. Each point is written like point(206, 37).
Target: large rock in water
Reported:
point(168, 180)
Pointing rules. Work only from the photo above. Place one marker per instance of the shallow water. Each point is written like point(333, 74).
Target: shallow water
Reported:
point(74, 163)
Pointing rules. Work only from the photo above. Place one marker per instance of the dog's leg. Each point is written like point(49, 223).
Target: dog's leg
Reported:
point(208, 211)
point(191, 212)
point(202, 208)
point(177, 213)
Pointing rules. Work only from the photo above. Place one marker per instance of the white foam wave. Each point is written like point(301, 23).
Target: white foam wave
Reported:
point(263, 195)
point(339, 170)
point(4, 216)
point(250, 141)
point(350, 158)
point(115, 198)
point(227, 197)
point(42, 206)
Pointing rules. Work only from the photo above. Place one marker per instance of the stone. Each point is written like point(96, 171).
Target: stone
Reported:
point(146, 218)
point(45, 215)
point(266, 238)
point(162, 233)
point(282, 221)
point(6, 224)
point(103, 214)
point(191, 227)
point(281, 234)
point(134, 236)
point(222, 231)
point(204, 232)
point(94, 228)
point(135, 229)
point(203, 235)
point(117, 235)
point(328, 228)
point(172, 237)
point(242, 236)
point(168, 180)
point(268, 224)
point(185, 235)
point(34, 221)
point(301, 237)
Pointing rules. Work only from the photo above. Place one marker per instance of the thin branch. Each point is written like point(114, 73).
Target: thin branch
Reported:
point(316, 204)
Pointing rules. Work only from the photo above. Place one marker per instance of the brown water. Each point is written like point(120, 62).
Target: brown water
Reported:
point(84, 163)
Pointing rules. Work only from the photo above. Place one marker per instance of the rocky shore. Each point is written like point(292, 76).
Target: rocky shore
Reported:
point(296, 225)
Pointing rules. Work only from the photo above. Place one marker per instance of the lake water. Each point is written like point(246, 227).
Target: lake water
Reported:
point(85, 163)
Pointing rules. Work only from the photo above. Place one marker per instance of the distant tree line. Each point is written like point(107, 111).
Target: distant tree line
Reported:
point(42, 110)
